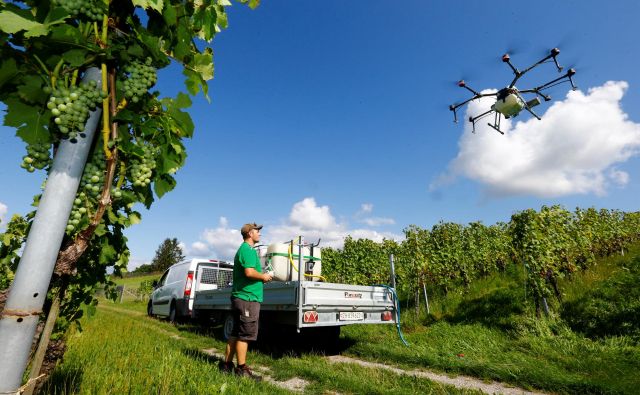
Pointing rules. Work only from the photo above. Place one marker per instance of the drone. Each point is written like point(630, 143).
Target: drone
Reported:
point(510, 100)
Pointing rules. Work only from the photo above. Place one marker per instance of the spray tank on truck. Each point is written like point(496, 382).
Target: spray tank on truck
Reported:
point(282, 260)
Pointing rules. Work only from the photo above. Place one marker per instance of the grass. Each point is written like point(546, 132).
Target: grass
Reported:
point(123, 351)
point(490, 332)
point(134, 281)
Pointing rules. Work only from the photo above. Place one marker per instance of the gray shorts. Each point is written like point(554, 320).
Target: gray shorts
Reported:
point(245, 319)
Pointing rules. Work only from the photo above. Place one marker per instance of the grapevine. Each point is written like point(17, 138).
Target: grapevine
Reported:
point(48, 47)
point(550, 244)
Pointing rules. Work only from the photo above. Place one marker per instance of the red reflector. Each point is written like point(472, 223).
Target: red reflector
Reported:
point(310, 316)
point(386, 316)
point(187, 286)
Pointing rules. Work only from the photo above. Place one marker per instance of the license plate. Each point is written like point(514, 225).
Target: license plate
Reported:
point(351, 316)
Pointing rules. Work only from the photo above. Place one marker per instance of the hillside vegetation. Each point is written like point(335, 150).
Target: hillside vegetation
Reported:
point(588, 344)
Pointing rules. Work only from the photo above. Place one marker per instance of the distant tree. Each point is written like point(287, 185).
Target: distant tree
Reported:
point(146, 268)
point(167, 254)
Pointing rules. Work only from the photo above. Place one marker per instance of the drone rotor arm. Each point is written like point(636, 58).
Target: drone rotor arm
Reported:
point(558, 80)
point(552, 55)
point(454, 107)
point(537, 92)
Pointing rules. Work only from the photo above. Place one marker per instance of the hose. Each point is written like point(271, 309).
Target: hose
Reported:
point(296, 269)
point(397, 303)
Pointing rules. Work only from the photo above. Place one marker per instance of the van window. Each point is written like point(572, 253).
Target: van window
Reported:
point(163, 278)
point(177, 273)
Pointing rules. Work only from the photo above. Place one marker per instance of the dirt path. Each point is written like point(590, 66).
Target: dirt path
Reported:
point(463, 382)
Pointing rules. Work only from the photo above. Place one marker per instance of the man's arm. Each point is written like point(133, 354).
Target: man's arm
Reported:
point(254, 274)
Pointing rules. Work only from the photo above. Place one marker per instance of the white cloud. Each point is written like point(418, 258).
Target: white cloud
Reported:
point(366, 209)
point(137, 262)
point(221, 242)
point(306, 218)
point(199, 249)
point(572, 150)
point(3, 212)
point(307, 215)
point(316, 222)
point(377, 221)
point(619, 177)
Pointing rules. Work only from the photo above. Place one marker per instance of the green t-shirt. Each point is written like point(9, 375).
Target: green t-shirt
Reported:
point(243, 287)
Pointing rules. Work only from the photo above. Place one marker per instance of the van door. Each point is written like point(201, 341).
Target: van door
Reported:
point(162, 296)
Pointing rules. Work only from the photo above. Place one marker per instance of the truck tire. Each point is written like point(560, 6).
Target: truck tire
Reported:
point(150, 309)
point(227, 326)
point(172, 312)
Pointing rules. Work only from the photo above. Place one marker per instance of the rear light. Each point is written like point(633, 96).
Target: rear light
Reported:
point(187, 286)
point(386, 316)
point(310, 317)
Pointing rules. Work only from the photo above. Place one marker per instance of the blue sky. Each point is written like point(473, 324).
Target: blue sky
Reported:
point(331, 118)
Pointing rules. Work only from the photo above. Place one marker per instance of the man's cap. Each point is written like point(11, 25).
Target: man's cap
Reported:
point(246, 228)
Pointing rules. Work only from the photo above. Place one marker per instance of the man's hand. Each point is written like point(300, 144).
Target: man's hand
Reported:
point(254, 274)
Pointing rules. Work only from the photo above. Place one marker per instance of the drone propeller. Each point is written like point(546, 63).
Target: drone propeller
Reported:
point(516, 48)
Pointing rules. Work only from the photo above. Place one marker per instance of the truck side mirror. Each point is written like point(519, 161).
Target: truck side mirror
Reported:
point(155, 284)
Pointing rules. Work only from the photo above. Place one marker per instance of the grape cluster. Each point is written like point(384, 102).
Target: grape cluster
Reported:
point(70, 106)
point(93, 176)
point(92, 9)
point(141, 77)
point(37, 157)
point(141, 169)
point(77, 212)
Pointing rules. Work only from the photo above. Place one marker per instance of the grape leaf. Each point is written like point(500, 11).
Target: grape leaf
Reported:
point(31, 90)
point(13, 23)
point(194, 83)
point(75, 57)
point(163, 184)
point(8, 69)
point(28, 120)
point(203, 64)
point(107, 252)
point(157, 5)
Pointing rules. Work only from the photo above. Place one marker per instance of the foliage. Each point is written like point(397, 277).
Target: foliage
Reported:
point(611, 308)
point(549, 244)
point(362, 261)
point(168, 253)
point(143, 269)
point(46, 49)
point(10, 244)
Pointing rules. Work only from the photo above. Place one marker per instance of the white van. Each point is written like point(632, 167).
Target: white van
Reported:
point(174, 294)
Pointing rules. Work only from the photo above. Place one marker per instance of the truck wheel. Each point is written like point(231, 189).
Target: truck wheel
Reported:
point(150, 309)
point(172, 312)
point(227, 326)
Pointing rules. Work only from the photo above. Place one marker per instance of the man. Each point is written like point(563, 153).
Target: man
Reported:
point(246, 296)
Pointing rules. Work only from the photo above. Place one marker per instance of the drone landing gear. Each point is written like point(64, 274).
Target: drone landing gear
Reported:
point(496, 123)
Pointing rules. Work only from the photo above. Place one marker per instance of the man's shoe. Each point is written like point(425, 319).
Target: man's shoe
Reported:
point(245, 371)
point(226, 367)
